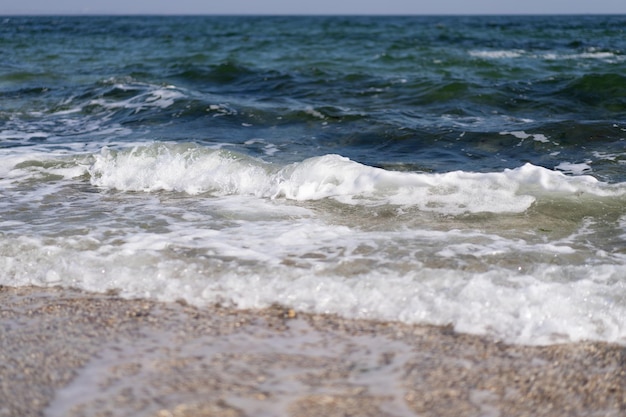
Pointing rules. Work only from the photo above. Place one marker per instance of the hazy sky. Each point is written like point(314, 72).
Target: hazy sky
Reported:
point(311, 6)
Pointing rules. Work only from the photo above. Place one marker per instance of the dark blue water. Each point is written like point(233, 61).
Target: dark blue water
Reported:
point(411, 93)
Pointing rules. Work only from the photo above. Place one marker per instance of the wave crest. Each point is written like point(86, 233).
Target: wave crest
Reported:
point(195, 170)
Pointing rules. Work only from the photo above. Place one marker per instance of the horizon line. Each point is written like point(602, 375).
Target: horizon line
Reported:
point(165, 14)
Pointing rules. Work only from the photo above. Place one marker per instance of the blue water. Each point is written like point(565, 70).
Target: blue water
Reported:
point(464, 170)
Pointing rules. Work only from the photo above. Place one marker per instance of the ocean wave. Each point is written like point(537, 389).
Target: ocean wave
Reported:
point(195, 170)
point(591, 54)
point(335, 269)
point(598, 89)
point(496, 54)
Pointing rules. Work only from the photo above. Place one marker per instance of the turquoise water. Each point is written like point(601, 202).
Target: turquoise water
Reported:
point(464, 170)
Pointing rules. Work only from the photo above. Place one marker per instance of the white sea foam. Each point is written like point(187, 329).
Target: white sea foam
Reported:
point(196, 170)
point(486, 252)
point(269, 149)
point(591, 54)
point(311, 111)
point(575, 169)
point(520, 134)
point(498, 54)
point(324, 268)
point(153, 96)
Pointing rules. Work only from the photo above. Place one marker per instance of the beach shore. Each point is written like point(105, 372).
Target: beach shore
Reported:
point(69, 353)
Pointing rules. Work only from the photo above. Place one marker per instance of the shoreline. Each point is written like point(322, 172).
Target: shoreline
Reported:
point(65, 352)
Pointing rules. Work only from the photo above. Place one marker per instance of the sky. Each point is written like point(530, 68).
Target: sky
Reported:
point(312, 7)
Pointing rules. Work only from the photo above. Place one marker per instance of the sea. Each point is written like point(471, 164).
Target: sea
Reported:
point(467, 171)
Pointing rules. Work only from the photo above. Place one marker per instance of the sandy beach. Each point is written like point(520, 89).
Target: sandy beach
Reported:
point(70, 353)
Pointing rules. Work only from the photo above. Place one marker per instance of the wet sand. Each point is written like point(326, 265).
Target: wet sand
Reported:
point(70, 353)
